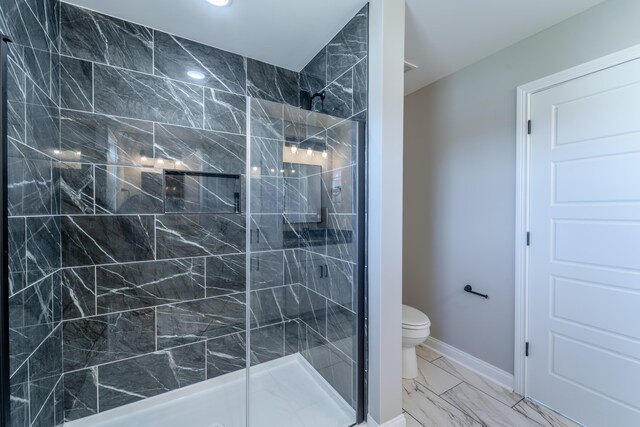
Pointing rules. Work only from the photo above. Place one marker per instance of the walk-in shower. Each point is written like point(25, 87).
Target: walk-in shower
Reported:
point(185, 227)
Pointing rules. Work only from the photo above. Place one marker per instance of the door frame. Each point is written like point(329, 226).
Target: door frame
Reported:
point(524, 93)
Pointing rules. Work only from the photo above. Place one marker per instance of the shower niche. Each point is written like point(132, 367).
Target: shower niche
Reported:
point(201, 192)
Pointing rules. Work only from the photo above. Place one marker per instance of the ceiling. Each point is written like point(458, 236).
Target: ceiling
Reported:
point(287, 33)
point(444, 36)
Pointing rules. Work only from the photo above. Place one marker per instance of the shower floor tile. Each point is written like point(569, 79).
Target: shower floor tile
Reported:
point(284, 393)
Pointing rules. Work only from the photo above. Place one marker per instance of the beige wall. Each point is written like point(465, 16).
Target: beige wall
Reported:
point(459, 179)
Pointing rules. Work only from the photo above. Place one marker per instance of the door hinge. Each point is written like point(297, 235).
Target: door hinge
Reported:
point(526, 349)
point(529, 127)
point(528, 238)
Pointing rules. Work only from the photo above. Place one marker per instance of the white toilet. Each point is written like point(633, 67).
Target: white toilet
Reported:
point(416, 328)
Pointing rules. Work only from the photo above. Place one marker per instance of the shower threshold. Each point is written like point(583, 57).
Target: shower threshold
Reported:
point(286, 392)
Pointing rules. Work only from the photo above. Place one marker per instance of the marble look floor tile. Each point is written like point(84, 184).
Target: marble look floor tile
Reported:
point(426, 353)
point(411, 422)
point(542, 415)
point(434, 378)
point(430, 410)
point(485, 409)
point(493, 389)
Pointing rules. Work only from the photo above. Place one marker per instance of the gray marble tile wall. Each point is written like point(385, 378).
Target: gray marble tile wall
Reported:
point(327, 253)
point(154, 279)
point(35, 303)
point(107, 281)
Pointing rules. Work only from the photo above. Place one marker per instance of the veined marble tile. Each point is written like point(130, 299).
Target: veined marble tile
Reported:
point(266, 232)
point(293, 265)
point(42, 120)
point(271, 83)
point(339, 190)
point(28, 25)
point(295, 124)
point(426, 353)
point(485, 408)
point(76, 183)
point(313, 77)
point(341, 328)
point(101, 339)
point(334, 367)
point(360, 86)
point(266, 119)
point(125, 93)
point(226, 274)
point(175, 57)
point(266, 158)
point(131, 380)
point(17, 252)
point(78, 292)
point(93, 138)
point(342, 142)
point(267, 269)
point(342, 239)
point(291, 337)
point(225, 112)
point(494, 390)
point(181, 236)
point(80, 394)
point(199, 320)
point(335, 283)
point(19, 397)
point(542, 415)
point(431, 410)
point(267, 194)
point(30, 187)
point(31, 307)
point(94, 240)
point(16, 98)
point(37, 64)
point(24, 340)
point(46, 415)
point(435, 379)
point(275, 305)
point(313, 310)
point(267, 344)
point(201, 150)
point(349, 46)
point(338, 100)
point(148, 284)
point(226, 354)
point(45, 369)
point(43, 247)
point(76, 84)
point(411, 422)
point(96, 37)
point(128, 190)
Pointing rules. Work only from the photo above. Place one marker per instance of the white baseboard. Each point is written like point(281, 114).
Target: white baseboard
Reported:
point(478, 366)
point(398, 421)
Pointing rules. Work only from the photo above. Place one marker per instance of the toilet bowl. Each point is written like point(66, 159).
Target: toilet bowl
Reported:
point(416, 327)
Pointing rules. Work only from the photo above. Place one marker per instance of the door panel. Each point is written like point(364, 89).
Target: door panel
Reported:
point(584, 258)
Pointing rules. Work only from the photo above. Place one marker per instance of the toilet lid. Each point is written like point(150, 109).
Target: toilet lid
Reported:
point(413, 318)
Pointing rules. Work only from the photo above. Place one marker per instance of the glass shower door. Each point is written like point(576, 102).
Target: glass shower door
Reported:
point(305, 287)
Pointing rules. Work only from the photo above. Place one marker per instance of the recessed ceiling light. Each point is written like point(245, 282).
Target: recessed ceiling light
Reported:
point(195, 74)
point(220, 2)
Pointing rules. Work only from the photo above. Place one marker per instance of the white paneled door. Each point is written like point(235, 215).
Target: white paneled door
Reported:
point(584, 255)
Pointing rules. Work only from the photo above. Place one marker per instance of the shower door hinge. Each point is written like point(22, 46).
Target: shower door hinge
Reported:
point(528, 238)
point(529, 127)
